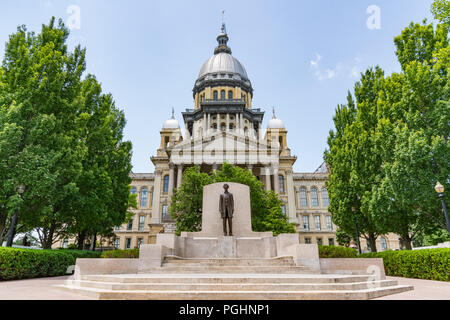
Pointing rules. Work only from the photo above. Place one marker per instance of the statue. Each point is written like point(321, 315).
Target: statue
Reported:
point(226, 208)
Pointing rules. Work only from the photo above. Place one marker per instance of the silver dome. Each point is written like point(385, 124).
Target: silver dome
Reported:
point(223, 63)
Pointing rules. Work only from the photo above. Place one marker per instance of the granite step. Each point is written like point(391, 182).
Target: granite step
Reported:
point(193, 286)
point(230, 269)
point(174, 261)
point(227, 278)
point(364, 294)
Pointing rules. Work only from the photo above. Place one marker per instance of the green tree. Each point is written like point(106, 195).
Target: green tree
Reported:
point(186, 204)
point(441, 11)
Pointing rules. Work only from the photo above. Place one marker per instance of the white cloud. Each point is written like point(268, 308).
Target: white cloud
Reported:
point(315, 63)
point(328, 73)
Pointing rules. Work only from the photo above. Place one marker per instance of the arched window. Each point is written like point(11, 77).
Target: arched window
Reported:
point(223, 127)
point(230, 95)
point(325, 201)
point(144, 198)
point(231, 126)
point(166, 184)
point(303, 199)
point(314, 197)
point(383, 244)
point(222, 95)
point(215, 95)
point(281, 183)
point(215, 126)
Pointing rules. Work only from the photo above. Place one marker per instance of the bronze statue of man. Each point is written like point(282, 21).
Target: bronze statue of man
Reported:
point(226, 208)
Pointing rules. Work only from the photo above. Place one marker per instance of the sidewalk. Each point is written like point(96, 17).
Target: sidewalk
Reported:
point(423, 290)
point(43, 289)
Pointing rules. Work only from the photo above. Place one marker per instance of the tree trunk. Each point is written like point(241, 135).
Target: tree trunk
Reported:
point(81, 238)
point(93, 241)
point(372, 242)
point(48, 238)
point(2, 227)
point(406, 240)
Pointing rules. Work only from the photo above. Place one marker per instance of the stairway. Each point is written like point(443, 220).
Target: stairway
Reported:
point(232, 279)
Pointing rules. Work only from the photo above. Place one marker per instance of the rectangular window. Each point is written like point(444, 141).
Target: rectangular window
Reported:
point(128, 243)
point(117, 228)
point(140, 241)
point(325, 200)
point(116, 243)
point(306, 222)
point(383, 244)
point(331, 241)
point(283, 209)
point(281, 183)
point(144, 198)
point(314, 197)
point(307, 240)
point(329, 224)
point(130, 224)
point(317, 222)
point(303, 199)
point(319, 241)
point(65, 243)
point(164, 212)
point(141, 223)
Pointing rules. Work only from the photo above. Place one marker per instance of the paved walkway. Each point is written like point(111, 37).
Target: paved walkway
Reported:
point(43, 289)
point(423, 290)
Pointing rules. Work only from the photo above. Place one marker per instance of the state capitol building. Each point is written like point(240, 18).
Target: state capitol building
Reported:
point(223, 126)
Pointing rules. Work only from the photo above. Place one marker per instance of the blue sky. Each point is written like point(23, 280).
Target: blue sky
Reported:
point(301, 56)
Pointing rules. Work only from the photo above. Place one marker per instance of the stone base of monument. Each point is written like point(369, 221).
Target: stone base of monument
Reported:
point(249, 265)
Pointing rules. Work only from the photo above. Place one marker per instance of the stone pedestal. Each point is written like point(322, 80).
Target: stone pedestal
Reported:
point(244, 244)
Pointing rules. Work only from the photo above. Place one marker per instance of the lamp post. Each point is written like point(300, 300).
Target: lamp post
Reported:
point(12, 226)
point(440, 190)
point(357, 231)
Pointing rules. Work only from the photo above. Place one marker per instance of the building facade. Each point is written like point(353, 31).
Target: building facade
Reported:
point(223, 126)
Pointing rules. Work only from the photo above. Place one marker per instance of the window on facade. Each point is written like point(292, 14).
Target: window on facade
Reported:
point(383, 244)
point(329, 224)
point(230, 95)
point(307, 240)
point(152, 195)
point(117, 227)
point(231, 127)
point(306, 222)
point(215, 95)
point(144, 198)
point(141, 223)
point(314, 197)
point(215, 126)
point(133, 190)
point(130, 224)
point(164, 212)
point(281, 183)
point(331, 241)
point(283, 209)
point(319, 241)
point(303, 199)
point(116, 243)
point(325, 200)
point(166, 183)
point(223, 127)
point(317, 222)
point(128, 243)
point(140, 241)
point(65, 243)
point(222, 95)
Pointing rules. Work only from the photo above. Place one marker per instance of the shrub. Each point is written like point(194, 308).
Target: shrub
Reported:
point(336, 252)
point(431, 264)
point(18, 263)
point(131, 253)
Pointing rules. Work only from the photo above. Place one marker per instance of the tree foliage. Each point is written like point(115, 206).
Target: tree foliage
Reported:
point(186, 204)
point(60, 137)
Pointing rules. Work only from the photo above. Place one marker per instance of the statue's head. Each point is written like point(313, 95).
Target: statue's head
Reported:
point(225, 186)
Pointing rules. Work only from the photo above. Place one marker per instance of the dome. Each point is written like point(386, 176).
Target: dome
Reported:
point(171, 123)
point(223, 63)
point(275, 124)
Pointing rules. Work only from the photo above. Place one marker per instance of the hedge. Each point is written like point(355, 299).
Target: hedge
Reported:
point(130, 253)
point(431, 264)
point(336, 252)
point(18, 263)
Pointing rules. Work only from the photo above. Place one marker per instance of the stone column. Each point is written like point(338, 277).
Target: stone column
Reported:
point(179, 175)
point(156, 197)
point(171, 177)
point(276, 186)
point(208, 125)
point(204, 125)
point(215, 166)
point(228, 122)
point(267, 174)
point(186, 131)
point(292, 209)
